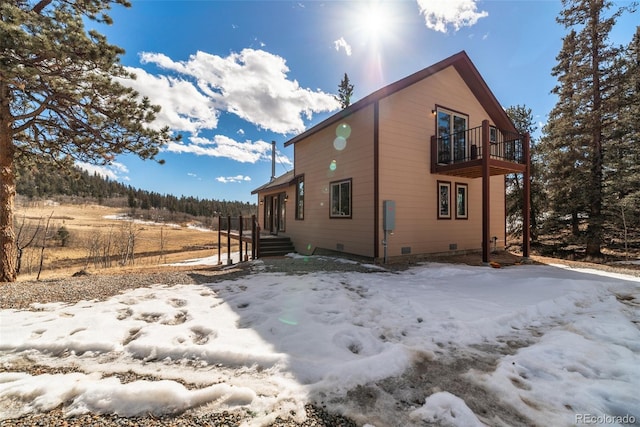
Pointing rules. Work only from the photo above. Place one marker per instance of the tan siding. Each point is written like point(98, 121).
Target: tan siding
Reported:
point(406, 127)
point(313, 158)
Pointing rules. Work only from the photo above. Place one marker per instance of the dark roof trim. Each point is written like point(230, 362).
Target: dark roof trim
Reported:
point(465, 68)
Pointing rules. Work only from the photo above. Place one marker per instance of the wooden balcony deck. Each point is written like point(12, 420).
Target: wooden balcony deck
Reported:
point(462, 154)
point(473, 168)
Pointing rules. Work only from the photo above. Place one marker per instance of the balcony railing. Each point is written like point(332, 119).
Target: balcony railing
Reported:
point(466, 146)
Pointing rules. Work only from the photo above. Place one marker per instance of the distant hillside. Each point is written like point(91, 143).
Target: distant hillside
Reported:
point(48, 181)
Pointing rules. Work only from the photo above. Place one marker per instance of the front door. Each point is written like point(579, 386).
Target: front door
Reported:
point(274, 213)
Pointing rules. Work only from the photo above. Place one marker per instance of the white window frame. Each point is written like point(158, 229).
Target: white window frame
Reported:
point(454, 138)
point(344, 201)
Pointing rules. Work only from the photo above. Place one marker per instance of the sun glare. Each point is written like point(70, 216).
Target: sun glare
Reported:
point(375, 20)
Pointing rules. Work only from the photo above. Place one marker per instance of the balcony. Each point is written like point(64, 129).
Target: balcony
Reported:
point(463, 153)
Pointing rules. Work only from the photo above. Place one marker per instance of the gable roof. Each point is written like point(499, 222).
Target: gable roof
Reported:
point(460, 61)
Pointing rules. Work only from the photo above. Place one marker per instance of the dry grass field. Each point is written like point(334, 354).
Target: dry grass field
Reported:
point(99, 239)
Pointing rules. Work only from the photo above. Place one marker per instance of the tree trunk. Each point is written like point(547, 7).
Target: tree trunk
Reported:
point(595, 229)
point(8, 248)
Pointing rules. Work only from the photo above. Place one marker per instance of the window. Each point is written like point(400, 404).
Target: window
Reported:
point(444, 200)
point(493, 135)
point(282, 201)
point(300, 198)
point(341, 199)
point(461, 201)
point(452, 136)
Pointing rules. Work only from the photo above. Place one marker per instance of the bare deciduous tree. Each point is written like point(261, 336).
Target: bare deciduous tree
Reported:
point(25, 236)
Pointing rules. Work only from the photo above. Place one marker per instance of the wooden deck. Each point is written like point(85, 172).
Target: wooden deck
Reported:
point(248, 232)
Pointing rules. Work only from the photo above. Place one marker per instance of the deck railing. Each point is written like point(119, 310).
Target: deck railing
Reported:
point(466, 146)
point(244, 229)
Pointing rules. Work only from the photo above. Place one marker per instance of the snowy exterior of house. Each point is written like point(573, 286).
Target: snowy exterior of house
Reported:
point(401, 172)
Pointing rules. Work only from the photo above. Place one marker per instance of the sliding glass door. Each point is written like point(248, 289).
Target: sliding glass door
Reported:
point(452, 136)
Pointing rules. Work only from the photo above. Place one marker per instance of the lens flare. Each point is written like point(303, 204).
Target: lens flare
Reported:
point(333, 166)
point(343, 130)
point(340, 143)
point(286, 321)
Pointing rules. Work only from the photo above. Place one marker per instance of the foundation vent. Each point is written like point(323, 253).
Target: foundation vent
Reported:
point(405, 250)
point(340, 247)
point(453, 246)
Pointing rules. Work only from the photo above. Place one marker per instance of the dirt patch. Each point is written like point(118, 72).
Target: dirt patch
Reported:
point(391, 400)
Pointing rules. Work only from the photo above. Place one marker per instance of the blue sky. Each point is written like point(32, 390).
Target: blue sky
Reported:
point(232, 76)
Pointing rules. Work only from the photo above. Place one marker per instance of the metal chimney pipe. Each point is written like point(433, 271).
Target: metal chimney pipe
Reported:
point(273, 160)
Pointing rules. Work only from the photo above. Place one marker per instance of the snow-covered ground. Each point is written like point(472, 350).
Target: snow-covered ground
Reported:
point(126, 217)
point(210, 260)
point(452, 344)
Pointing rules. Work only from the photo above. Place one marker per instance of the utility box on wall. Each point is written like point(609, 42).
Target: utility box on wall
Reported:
point(389, 215)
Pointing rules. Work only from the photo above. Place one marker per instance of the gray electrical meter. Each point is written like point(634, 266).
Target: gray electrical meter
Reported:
point(389, 215)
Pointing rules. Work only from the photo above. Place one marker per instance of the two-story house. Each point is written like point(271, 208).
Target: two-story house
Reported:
point(416, 167)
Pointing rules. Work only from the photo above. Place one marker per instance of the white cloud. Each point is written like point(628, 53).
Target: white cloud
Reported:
point(223, 146)
point(113, 171)
point(440, 14)
point(231, 179)
point(184, 108)
point(341, 43)
point(252, 84)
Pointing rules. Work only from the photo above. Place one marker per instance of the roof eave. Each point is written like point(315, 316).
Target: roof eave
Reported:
point(465, 68)
point(275, 184)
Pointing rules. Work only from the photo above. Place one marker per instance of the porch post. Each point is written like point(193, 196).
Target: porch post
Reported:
point(219, 240)
point(229, 261)
point(240, 235)
point(486, 186)
point(526, 206)
point(253, 237)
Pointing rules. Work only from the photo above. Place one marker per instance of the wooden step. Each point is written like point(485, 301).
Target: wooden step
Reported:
point(275, 246)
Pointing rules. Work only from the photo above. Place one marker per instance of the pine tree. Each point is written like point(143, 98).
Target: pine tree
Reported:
point(522, 118)
point(59, 98)
point(588, 96)
point(622, 156)
point(562, 148)
point(345, 92)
